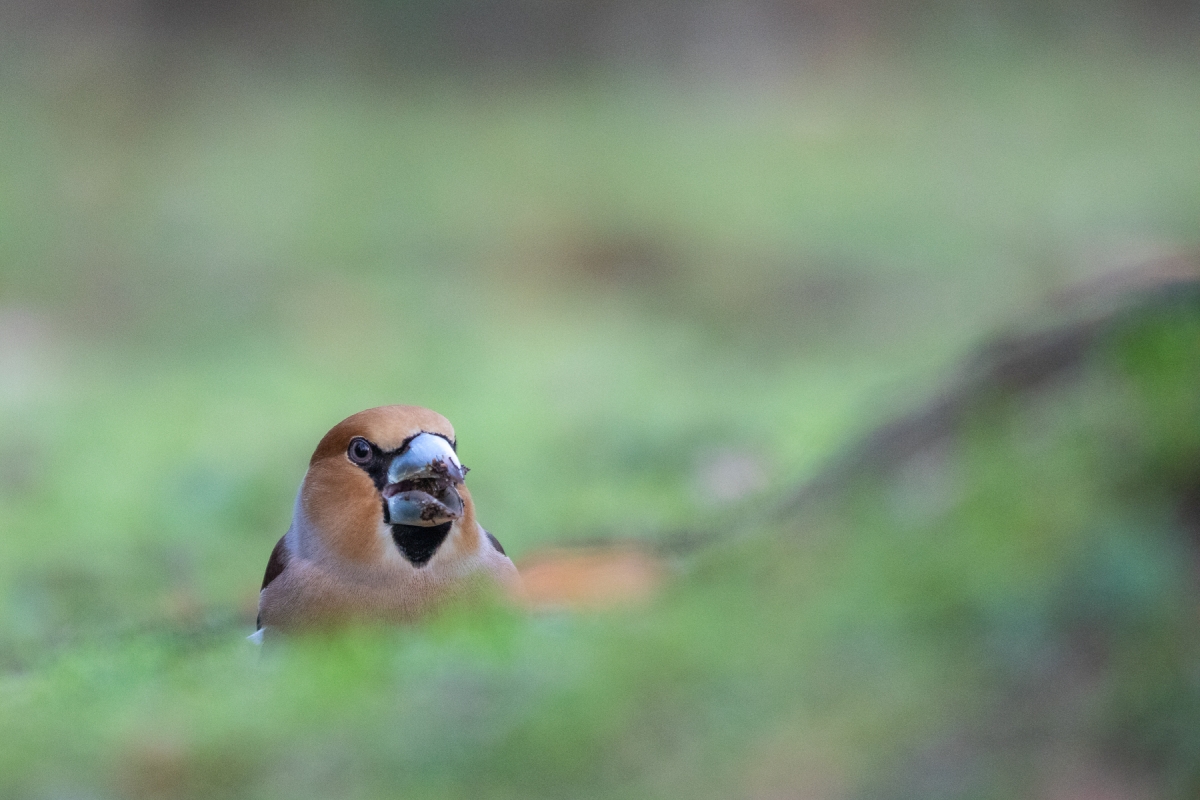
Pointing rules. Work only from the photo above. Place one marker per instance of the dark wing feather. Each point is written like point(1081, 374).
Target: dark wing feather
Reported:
point(277, 562)
point(496, 543)
point(275, 565)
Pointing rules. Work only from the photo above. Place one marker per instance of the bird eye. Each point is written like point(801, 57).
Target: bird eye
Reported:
point(360, 450)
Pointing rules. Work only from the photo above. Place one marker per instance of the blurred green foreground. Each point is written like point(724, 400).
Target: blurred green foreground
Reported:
point(609, 284)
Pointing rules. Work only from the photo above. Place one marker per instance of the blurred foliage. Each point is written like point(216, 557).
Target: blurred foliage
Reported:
point(608, 280)
point(705, 37)
point(1010, 611)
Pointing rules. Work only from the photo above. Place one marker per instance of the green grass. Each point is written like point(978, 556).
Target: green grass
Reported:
point(602, 283)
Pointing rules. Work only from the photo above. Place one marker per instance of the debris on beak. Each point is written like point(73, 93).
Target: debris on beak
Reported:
point(422, 481)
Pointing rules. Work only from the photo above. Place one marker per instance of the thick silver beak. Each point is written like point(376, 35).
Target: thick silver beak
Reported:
point(421, 483)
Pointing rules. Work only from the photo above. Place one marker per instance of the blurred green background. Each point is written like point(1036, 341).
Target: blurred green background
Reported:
point(660, 263)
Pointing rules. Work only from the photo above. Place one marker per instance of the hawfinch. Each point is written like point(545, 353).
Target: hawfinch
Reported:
point(383, 527)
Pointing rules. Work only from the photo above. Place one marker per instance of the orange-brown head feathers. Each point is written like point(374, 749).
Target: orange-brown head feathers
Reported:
point(372, 484)
point(389, 427)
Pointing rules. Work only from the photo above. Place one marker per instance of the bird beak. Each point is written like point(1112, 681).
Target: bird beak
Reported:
point(421, 483)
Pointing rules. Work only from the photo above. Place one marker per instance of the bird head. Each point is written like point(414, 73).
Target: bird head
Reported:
point(386, 477)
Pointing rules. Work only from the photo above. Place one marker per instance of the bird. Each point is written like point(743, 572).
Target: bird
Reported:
point(383, 528)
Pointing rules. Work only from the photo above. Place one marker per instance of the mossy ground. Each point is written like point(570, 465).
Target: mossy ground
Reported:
point(605, 284)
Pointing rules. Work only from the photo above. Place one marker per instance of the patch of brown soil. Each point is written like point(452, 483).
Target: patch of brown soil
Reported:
point(590, 578)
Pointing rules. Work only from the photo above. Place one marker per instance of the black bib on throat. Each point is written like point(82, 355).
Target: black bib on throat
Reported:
point(418, 543)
